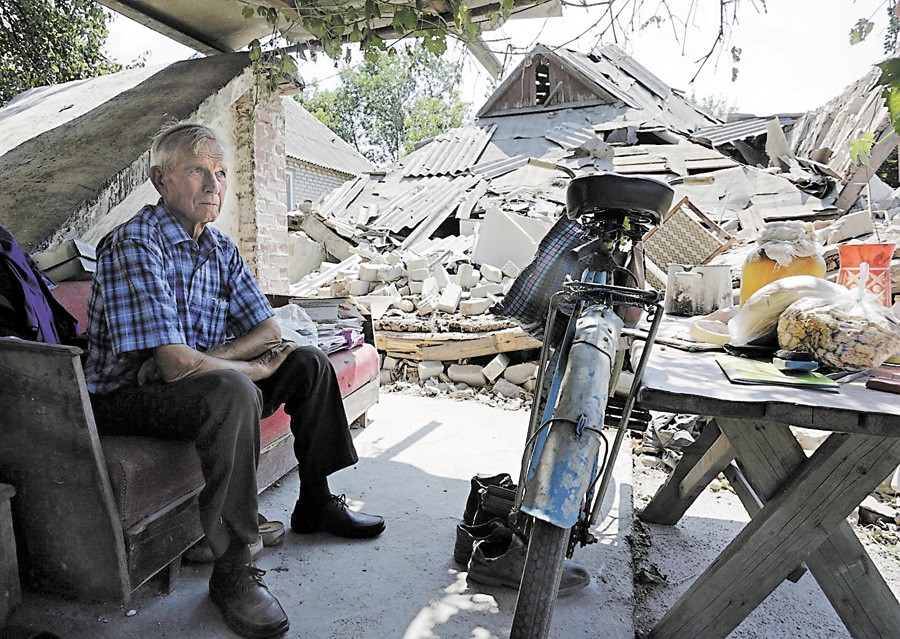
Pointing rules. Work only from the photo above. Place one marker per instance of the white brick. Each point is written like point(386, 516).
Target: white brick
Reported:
point(427, 305)
point(468, 276)
point(491, 273)
point(404, 290)
point(415, 288)
point(441, 276)
point(384, 377)
point(358, 287)
point(406, 306)
point(418, 274)
point(429, 369)
point(450, 297)
point(368, 272)
point(416, 264)
point(390, 273)
point(389, 362)
point(510, 270)
point(430, 287)
point(496, 366)
point(487, 289)
point(475, 306)
point(467, 373)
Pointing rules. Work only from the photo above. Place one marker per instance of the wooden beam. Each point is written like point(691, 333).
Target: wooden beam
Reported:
point(452, 346)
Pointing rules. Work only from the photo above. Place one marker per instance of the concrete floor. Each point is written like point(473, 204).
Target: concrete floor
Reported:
point(417, 456)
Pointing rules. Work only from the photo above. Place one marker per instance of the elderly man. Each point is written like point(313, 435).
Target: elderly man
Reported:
point(183, 344)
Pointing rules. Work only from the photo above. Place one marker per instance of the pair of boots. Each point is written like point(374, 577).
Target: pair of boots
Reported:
point(491, 550)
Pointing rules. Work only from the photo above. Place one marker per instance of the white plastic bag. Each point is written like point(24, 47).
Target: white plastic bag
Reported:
point(851, 330)
point(757, 321)
point(296, 325)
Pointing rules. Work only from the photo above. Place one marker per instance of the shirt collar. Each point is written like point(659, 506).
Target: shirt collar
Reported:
point(175, 233)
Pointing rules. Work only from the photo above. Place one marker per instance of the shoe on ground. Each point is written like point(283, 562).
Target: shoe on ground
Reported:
point(335, 517)
point(467, 535)
point(499, 560)
point(201, 553)
point(245, 601)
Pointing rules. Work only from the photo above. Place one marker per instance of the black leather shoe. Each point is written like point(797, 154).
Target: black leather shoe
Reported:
point(245, 601)
point(336, 518)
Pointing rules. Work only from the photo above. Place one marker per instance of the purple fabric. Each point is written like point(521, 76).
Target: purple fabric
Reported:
point(38, 314)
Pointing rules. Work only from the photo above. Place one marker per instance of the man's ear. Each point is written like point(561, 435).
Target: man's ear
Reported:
point(156, 177)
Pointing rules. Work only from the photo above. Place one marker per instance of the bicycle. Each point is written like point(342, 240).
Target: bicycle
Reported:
point(558, 498)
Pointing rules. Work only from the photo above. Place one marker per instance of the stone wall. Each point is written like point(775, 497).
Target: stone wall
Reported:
point(311, 181)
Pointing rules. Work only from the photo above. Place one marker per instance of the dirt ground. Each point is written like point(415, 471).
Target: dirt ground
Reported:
point(682, 552)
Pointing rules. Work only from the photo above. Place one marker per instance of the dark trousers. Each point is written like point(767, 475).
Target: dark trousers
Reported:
point(220, 411)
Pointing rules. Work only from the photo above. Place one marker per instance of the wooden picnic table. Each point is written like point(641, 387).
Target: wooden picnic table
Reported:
point(798, 504)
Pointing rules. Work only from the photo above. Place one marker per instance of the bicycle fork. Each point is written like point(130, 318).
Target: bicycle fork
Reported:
point(566, 448)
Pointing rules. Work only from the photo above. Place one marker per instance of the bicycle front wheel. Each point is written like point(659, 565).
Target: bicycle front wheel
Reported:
point(540, 581)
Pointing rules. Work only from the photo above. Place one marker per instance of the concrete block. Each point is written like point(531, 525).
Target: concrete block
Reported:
point(507, 389)
point(496, 366)
point(520, 373)
point(430, 287)
point(394, 258)
point(390, 273)
point(384, 377)
point(389, 362)
point(491, 273)
point(468, 276)
point(427, 305)
point(510, 270)
point(429, 369)
point(848, 226)
point(441, 276)
point(415, 287)
point(484, 290)
point(450, 296)
point(416, 264)
point(358, 287)
point(467, 373)
point(404, 290)
point(475, 306)
point(406, 306)
point(368, 272)
point(418, 274)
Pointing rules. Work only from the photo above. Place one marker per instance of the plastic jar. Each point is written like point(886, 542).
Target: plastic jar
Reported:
point(785, 248)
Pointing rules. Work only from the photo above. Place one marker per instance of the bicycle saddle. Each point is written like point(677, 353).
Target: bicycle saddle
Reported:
point(611, 191)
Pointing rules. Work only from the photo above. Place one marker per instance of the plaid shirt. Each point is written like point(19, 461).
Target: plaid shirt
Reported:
point(155, 286)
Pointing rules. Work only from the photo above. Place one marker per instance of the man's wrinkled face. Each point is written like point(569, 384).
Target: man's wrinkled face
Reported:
point(194, 189)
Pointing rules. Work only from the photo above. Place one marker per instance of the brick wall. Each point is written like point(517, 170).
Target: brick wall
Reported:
point(311, 181)
point(263, 231)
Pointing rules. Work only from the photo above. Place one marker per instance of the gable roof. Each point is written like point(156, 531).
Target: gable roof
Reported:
point(308, 140)
point(614, 78)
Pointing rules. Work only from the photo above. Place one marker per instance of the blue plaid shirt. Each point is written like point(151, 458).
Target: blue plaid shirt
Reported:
point(155, 286)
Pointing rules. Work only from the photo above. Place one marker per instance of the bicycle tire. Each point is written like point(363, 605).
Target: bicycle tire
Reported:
point(540, 581)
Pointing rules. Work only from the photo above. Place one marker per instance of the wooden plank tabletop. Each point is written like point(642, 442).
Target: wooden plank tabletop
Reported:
point(677, 381)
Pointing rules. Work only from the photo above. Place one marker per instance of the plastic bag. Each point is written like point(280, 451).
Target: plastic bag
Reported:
point(850, 331)
point(757, 321)
point(296, 325)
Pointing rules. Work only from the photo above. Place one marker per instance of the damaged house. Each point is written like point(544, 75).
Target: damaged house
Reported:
point(433, 241)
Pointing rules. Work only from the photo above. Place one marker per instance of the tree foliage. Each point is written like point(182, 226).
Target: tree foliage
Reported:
point(46, 42)
point(388, 103)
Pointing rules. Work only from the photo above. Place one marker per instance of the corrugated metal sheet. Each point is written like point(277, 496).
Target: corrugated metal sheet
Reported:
point(570, 136)
point(728, 133)
point(496, 168)
point(309, 140)
point(420, 200)
point(450, 153)
point(616, 56)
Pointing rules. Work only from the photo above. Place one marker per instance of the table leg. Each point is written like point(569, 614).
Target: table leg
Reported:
point(809, 505)
point(841, 565)
point(700, 463)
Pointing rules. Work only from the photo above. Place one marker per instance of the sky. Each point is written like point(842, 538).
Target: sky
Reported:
point(795, 56)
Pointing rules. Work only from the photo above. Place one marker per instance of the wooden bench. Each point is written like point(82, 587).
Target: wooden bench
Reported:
point(96, 517)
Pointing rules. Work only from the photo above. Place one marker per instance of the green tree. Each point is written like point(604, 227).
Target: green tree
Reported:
point(46, 42)
point(389, 102)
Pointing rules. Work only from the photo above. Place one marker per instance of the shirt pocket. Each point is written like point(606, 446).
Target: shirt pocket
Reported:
point(210, 324)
